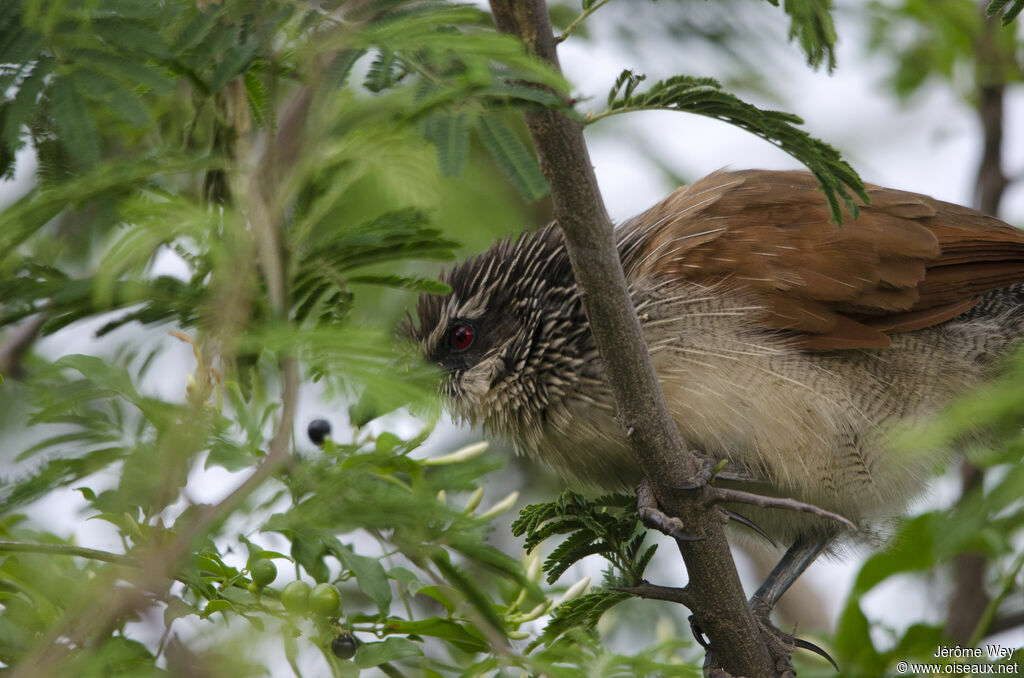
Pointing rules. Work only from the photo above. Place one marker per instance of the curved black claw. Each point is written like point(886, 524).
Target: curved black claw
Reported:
point(698, 633)
point(808, 645)
point(747, 522)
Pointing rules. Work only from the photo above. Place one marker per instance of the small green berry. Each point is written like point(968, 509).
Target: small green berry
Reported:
point(324, 600)
point(263, 572)
point(295, 597)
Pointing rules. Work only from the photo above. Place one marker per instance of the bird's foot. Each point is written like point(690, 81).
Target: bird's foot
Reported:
point(653, 517)
point(778, 650)
point(781, 644)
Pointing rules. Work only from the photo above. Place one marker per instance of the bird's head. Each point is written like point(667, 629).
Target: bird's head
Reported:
point(511, 336)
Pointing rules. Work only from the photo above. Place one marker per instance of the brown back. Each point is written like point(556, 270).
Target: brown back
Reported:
point(907, 262)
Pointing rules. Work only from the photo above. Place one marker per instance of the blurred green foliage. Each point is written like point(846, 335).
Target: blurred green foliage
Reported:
point(948, 41)
point(304, 168)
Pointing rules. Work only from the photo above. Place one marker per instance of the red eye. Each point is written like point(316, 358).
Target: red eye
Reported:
point(462, 337)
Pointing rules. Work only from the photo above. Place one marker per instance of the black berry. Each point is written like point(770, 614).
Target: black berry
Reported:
point(317, 430)
point(344, 646)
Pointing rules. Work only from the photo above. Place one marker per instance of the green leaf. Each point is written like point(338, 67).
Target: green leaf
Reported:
point(438, 627)
point(435, 593)
point(512, 156)
point(583, 613)
point(24, 104)
point(853, 641)
point(196, 29)
point(1009, 13)
point(450, 134)
point(103, 89)
point(413, 283)
point(705, 96)
point(370, 576)
point(259, 101)
point(392, 649)
point(77, 133)
point(473, 593)
point(233, 63)
point(20, 45)
point(128, 70)
point(218, 605)
point(229, 455)
point(577, 547)
point(811, 23)
point(624, 86)
point(132, 37)
point(336, 74)
point(383, 72)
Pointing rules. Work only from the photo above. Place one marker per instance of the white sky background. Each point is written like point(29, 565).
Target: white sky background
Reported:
point(931, 146)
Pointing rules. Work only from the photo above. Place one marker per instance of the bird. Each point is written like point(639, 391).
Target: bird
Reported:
point(788, 347)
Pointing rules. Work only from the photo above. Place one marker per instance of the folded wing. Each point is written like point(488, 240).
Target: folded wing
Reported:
point(907, 262)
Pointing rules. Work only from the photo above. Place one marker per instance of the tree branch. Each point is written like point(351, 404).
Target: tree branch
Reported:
point(645, 589)
point(7, 546)
point(970, 599)
point(718, 599)
point(18, 343)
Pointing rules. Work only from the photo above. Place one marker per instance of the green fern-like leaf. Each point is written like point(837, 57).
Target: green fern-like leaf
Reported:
point(78, 134)
point(512, 156)
point(582, 613)
point(811, 24)
point(574, 549)
point(608, 525)
point(705, 96)
point(324, 272)
point(1009, 12)
point(22, 107)
point(259, 101)
point(384, 72)
point(232, 64)
point(450, 134)
point(411, 283)
point(131, 36)
point(106, 91)
point(624, 86)
point(139, 73)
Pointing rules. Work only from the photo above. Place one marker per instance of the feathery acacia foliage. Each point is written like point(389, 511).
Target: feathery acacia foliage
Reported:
point(705, 96)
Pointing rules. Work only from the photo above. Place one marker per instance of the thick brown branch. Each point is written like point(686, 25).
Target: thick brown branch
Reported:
point(719, 602)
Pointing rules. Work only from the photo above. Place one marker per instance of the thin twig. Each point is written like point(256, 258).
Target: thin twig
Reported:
point(67, 550)
point(580, 19)
point(990, 610)
point(17, 345)
point(645, 589)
